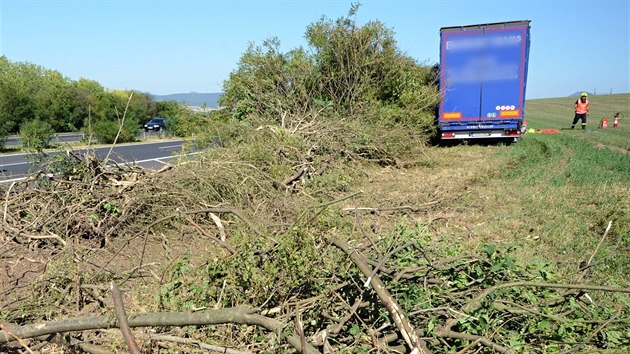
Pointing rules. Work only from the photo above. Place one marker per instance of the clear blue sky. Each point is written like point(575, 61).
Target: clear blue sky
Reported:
point(172, 46)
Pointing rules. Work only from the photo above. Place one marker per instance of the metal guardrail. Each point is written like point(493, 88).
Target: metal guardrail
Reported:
point(14, 140)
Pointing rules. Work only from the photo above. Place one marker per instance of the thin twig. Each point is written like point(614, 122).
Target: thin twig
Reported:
point(414, 209)
point(6, 202)
point(299, 326)
point(466, 348)
point(209, 347)
point(383, 260)
point(323, 207)
point(446, 331)
point(121, 124)
point(346, 318)
point(51, 236)
point(306, 301)
point(601, 240)
point(225, 210)
point(212, 237)
point(519, 309)
point(592, 335)
point(287, 182)
point(483, 340)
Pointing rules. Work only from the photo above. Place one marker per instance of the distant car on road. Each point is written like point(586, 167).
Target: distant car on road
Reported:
point(155, 124)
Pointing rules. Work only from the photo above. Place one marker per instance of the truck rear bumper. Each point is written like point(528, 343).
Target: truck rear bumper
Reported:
point(481, 134)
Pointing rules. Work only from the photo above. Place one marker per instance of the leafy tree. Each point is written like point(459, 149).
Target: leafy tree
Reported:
point(181, 120)
point(138, 109)
point(30, 92)
point(270, 84)
point(89, 95)
point(56, 103)
point(361, 68)
point(18, 83)
point(352, 60)
point(36, 134)
point(167, 109)
point(109, 132)
point(105, 131)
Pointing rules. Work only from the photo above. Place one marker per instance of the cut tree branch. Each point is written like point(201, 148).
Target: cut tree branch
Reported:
point(237, 315)
point(413, 209)
point(121, 315)
point(416, 344)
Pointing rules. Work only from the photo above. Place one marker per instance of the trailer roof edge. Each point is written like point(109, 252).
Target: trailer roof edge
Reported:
point(487, 25)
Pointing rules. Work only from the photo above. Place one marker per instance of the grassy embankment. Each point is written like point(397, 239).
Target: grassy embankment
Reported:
point(558, 113)
point(552, 195)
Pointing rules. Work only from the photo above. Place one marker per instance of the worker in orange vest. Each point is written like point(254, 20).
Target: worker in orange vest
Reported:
point(581, 110)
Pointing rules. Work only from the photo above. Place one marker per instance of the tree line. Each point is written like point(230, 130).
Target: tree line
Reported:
point(31, 95)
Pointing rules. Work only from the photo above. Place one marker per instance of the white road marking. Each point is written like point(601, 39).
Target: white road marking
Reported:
point(96, 147)
point(158, 159)
point(166, 157)
point(169, 147)
point(14, 164)
point(13, 180)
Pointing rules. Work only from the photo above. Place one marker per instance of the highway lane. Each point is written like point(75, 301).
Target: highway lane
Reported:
point(149, 155)
point(66, 138)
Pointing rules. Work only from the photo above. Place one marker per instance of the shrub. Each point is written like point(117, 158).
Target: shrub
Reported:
point(36, 134)
point(3, 136)
point(105, 131)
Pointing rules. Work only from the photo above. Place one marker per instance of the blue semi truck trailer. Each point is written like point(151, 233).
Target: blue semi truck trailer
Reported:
point(483, 75)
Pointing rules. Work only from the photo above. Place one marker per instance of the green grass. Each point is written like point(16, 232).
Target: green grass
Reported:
point(568, 186)
point(563, 159)
point(558, 113)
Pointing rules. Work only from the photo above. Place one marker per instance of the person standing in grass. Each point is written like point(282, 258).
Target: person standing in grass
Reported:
point(581, 110)
point(616, 119)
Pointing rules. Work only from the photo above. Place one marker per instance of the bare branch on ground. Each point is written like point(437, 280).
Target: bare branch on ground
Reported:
point(237, 315)
point(121, 315)
point(416, 344)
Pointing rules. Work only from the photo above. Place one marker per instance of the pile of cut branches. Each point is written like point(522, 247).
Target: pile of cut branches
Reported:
point(221, 254)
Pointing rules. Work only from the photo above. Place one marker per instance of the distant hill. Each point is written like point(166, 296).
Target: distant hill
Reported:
point(192, 98)
point(578, 93)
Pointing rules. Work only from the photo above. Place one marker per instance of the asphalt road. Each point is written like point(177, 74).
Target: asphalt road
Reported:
point(61, 138)
point(152, 155)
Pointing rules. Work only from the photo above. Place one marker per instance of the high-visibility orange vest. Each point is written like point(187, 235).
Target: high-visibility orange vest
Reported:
point(581, 107)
